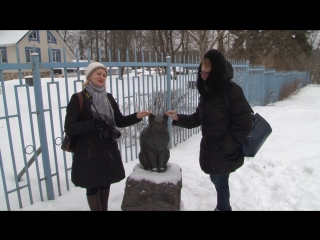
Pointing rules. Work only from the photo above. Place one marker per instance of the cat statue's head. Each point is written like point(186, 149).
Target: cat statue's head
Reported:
point(158, 123)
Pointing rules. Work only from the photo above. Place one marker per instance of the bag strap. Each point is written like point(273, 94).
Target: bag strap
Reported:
point(80, 105)
point(89, 97)
point(226, 97)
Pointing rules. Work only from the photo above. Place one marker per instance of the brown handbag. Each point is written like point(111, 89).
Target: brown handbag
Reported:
point(69, 141)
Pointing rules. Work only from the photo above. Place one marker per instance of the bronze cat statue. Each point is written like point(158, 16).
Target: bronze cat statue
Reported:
point(154, 153)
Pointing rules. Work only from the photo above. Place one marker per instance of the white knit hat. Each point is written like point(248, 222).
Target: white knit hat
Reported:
point(93, 66)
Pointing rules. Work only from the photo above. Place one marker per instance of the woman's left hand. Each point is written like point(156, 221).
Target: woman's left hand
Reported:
point(143, 114)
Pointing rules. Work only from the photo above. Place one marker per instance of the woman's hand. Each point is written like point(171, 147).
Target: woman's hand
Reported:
point(143, 114)
point(172, 114)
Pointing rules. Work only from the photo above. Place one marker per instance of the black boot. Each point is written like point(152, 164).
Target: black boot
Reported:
point(229, 209)
point(94, 202)
point(104, 198)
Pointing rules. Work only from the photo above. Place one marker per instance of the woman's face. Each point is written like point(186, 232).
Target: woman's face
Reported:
point(99, 77)
point(204, 72)
point(205, 68)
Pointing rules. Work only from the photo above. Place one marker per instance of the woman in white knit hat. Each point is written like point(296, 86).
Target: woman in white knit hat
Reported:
point(97, 161)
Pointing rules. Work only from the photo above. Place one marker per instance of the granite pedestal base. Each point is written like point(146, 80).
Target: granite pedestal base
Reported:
point(153, 191)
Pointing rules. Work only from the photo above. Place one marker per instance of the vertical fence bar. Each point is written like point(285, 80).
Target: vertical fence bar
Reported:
point(168, 58)
point(247, 81)
point(263, 102)
point(42, 125)
point(4, 183)
point(273, 86)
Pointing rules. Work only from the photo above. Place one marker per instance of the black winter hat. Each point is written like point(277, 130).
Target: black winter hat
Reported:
point(218, 64)
point(221, 71)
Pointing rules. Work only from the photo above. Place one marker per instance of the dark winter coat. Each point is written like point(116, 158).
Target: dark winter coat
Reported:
point(221, 137)
point(96, 161)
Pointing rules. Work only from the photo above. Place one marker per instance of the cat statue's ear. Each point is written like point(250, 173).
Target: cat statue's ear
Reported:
point(165, 116)
point(152, 116)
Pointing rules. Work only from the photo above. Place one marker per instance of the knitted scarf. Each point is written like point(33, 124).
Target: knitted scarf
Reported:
point(102, 104)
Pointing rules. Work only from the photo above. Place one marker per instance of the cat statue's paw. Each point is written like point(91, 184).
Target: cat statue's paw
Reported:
point(161, 170)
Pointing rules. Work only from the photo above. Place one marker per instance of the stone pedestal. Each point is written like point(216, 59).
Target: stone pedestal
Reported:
point(153, 191)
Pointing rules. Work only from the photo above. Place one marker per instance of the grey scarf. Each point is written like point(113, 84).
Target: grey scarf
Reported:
point(102, 104)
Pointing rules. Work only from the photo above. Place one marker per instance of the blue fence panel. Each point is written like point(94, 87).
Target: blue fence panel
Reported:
point(269, 83)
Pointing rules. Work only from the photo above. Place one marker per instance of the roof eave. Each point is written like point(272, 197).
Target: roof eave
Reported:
point(7, 44)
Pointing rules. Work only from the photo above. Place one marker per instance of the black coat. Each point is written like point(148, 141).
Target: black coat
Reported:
point(221, 137)
point(96, 161)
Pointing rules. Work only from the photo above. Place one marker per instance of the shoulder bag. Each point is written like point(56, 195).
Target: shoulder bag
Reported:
point(69, 141)
point(260, 131)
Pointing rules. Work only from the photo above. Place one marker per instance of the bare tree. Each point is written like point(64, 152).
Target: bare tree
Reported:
point(81, 49)
point(125, 38)
point(206, 39)
point(93, 41)
point(278, 49)
point(71, 37)
point(88, 41)
point(141, 41)
point(106, 58)
point(97, 43)
point(167, 42)
point(314, 61)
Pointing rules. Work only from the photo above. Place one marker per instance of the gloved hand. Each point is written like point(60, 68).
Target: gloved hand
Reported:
point(101, 125)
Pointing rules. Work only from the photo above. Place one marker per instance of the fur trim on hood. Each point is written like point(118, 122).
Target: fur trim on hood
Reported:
point(221, 73)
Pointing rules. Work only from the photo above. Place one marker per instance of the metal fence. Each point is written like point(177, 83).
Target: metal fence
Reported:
point(32, 111)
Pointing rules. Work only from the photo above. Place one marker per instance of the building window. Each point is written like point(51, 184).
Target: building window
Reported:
point(51, 38)
point(3, 52)
point(56, 56)
point(34, 36)
point(30, 50)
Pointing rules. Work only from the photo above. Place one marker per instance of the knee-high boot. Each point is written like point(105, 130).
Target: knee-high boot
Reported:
point(104, 198)
point(94, 202)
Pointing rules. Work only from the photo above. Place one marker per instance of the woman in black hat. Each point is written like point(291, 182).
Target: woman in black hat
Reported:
point(222, 132)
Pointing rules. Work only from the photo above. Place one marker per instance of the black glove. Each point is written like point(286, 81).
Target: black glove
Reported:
point(101, 125)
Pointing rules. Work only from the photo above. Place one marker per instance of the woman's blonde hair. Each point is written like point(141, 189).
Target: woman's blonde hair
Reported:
point(85, 83)
point(206, 63)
